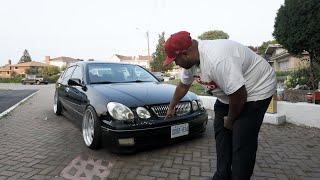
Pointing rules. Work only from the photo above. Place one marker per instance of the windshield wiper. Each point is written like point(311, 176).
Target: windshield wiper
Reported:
point(103, 82)
point(137, 81)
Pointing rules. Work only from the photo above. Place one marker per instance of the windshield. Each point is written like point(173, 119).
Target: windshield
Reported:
point(118, 73)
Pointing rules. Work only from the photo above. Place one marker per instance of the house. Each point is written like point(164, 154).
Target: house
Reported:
point(5, 71)
point(20, 69)
point(143, 61)
point(61, 62)
point(281, 60)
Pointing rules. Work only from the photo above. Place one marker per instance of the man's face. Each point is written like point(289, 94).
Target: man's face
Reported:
point(183, 61)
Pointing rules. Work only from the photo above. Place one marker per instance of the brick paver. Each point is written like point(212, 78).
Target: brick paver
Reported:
point(36, 144)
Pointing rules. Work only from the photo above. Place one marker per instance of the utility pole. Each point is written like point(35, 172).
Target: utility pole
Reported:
point(148, 41)
point(148, 46)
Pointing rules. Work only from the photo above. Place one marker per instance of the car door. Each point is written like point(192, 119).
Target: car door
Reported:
point(76, 95)
point(64, 88)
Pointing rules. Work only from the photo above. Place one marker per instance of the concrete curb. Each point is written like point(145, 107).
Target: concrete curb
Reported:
point(17, 104)
point(304, 114)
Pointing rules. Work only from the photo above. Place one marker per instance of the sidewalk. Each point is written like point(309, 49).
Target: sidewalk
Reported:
point(36, 144)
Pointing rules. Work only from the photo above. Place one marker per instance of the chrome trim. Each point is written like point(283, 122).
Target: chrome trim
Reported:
point(181, 109)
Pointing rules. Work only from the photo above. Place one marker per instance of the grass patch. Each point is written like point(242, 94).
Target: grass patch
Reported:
point(282, 73)
point(195, 87)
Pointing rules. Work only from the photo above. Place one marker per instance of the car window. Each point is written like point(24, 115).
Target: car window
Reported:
point(115, 73)
point(67, 75)
point(142, 74)
point(77, 73)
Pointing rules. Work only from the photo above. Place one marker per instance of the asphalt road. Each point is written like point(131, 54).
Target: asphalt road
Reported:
point(9, 98)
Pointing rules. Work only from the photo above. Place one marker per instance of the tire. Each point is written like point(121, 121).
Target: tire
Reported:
point(38, 82)
point(24, 83)
point(57, 107)
point(91, 129)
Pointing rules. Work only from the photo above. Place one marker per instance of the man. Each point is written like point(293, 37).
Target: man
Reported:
point(243, 83)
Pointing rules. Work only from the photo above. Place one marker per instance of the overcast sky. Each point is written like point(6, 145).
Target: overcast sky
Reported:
point(99, 28)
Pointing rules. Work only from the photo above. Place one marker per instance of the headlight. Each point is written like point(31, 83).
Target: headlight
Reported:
point(119, 111)
point(194, 105)
point(143, 113)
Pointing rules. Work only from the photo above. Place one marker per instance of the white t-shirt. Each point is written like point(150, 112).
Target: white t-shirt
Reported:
point(225, 66)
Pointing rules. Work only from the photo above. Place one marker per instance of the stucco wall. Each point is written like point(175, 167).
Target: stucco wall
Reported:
point(60, 64)
point(300, 113)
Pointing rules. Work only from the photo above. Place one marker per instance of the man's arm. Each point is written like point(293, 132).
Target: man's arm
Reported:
point(180, 92)
point(237, 101)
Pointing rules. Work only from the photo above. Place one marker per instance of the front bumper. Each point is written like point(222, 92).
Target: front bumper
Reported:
point(157, 134)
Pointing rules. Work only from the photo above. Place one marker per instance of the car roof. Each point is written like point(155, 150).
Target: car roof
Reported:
point(84, 63)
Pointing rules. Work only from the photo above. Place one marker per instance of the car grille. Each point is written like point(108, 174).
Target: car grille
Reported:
point(181, 109)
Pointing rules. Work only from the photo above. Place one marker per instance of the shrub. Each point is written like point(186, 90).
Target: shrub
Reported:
point(282, 73)
point(49, 71)
point(15, 79)
point(53, 78)
point(195, 87)
point(301, 77)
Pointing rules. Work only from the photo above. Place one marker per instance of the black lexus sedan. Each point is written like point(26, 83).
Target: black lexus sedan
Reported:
point(124, 105)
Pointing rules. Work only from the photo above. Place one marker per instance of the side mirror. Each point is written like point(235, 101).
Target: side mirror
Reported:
point(74, 82)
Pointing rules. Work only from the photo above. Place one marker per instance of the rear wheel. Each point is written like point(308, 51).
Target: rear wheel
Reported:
point(37, 82)
point(57, 107)
point(91, 129)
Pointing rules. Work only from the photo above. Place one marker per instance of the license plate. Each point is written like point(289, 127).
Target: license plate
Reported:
point(179, 130)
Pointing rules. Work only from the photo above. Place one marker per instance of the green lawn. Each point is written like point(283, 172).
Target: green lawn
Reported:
point(195, 87)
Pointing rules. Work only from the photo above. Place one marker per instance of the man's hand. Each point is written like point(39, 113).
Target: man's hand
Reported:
point(170, 114)
point(181, 90)
point(227, 123)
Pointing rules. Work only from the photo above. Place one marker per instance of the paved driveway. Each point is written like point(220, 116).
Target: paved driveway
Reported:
point(36, 144)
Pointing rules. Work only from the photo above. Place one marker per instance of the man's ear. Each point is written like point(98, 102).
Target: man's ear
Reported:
point(184, 52)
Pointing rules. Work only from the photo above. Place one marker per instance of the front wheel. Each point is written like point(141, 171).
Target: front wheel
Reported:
point(91, 129)
point(57, 107)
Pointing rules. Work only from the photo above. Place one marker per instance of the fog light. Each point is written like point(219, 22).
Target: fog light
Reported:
point(126, 141)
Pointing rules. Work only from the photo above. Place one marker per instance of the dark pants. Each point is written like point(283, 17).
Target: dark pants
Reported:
point(236, 148)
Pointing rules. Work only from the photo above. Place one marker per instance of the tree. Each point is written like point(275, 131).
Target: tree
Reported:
point(25, 57)
point(297, 28)
point(254, 49)
point(159, 56)
point(49, 71)
point(32, 71)
point(264, 46)
point(211, 35)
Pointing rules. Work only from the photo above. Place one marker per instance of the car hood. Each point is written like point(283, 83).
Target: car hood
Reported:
point(139, 94)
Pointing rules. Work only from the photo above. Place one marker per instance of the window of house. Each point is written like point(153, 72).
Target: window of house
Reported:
point(284, 66)
point(15, 67)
